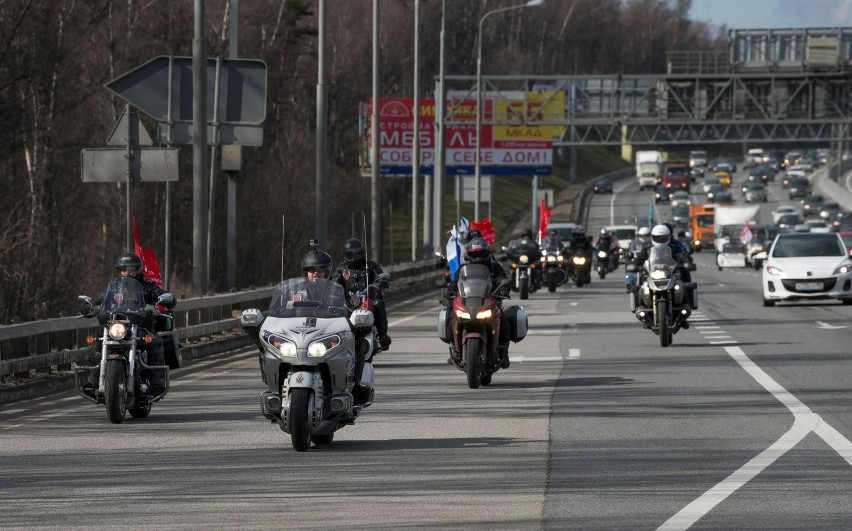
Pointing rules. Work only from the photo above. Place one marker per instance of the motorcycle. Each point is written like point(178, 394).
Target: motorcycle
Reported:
point(580, 268)
point(553, 268)
point(367, 299)
point(123, 383)
point(603, 261)
point(471, 326)
point(313, 359)
point(523, 265)
point(666, 305)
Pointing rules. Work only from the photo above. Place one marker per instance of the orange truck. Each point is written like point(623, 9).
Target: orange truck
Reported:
point(702, 225)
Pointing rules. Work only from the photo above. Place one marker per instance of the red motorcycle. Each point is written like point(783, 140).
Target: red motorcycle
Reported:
point(472, 325)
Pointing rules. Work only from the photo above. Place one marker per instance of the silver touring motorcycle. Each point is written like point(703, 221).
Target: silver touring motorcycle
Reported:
point(312, 359)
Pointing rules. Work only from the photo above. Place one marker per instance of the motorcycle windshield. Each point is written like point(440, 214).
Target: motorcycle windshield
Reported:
point(661, 255)
point(474, 285)
point(299, 297)
point(123, 295)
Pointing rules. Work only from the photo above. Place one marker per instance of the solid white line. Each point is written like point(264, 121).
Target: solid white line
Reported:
point(724, 342)
point(805, 422)
point(410, 317)
point(707, 327)
point(573, 353)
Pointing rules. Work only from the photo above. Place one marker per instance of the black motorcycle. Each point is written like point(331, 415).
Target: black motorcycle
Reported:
point(523, 263)
point(553, 268)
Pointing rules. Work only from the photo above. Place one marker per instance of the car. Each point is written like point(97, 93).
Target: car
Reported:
point(808, 164)
point(697, 158)
point(799, 187)
point(807, 266)
point(829, 209)
point(710, 180)
point(661, 194)
point(756, 193)
point(811, 205)
point(792, 173)
point(723, 196)
point(602, 186)
point(724, 178)
point(817, 225)
point(623, 233)
point(758, 248)
point(788, 221)
point(842, 221)
point(762, 173)
point(782, 210)
point(713, 190)
point(680, 197)
point(791, 158)
point(680, 215)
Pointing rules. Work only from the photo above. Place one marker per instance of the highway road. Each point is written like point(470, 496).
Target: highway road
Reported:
point(744, 422)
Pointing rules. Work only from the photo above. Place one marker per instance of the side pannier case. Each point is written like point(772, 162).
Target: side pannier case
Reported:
point(517, 317)
point(444, 331)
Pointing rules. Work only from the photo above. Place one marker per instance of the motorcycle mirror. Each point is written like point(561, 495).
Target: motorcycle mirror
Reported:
point(85, 298)
point(384, 276)
point(505, 282)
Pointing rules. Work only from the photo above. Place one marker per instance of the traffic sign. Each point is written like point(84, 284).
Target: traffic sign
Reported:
point(225, 134)
point(166, 80)
point(102, 165)
point(129, 121)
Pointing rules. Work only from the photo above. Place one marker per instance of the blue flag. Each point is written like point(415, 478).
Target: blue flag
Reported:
point(464, 225)
point(453, 253)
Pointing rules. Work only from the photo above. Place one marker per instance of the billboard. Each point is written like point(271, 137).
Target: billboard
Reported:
point(511, 148)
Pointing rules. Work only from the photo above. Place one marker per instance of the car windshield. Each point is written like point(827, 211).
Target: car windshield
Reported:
point(802, 245)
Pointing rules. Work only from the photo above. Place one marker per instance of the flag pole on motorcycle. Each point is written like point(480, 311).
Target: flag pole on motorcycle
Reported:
point(453, 253)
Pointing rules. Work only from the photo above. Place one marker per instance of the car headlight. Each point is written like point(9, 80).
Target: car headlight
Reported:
point(524, 259)
point(462, 314)
point(484, 314)
point(660, 274)
point(117, 330)
point(842, 270)
point(551, 258)
point(773, 270)
point(319, 347)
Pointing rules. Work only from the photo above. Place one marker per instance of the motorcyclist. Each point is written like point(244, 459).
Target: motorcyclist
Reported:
point(609, 243)
point(526, 245)
point(130, 265)
point(552, 243)
point(355, 274)
point(662, 235)
point(316, 264)
point(478, 252)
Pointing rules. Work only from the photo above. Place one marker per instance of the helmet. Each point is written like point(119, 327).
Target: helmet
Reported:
point(579, 230)
point(129, 262)
point(604, 232)
point(316, 259)
point(477, 251)
point(353, 251)
point(474, 233)
point(643, 232)
point(527, 233)
point(661, 234)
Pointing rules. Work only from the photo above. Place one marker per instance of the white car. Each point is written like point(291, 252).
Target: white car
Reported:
point(807, 265)
point(817, 225)
point(783, 210)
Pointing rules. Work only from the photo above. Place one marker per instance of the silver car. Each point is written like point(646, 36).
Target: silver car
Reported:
point(755, 193)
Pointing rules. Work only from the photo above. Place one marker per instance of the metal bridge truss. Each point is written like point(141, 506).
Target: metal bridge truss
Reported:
point(765, 107)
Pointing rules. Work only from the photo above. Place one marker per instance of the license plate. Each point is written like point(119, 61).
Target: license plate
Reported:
point(808, 286)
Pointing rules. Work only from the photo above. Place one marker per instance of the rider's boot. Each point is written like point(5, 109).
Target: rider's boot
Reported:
point(504, 355)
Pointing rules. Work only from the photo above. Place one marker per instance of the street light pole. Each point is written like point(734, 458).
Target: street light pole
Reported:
point(477, 162)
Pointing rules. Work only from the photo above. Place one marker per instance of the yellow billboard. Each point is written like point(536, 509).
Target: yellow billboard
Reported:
point(522, 114)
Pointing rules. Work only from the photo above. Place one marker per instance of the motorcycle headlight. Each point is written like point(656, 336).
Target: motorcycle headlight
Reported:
point(660, 274)
point(560, 258)
point(319, 347)
point(842, 270)
point(602, 254)
point(117, 330)
point(551, 258)
point(579, 260)
point(284, 346)
point(462, 314)
point(524, 259)
point(484, 314)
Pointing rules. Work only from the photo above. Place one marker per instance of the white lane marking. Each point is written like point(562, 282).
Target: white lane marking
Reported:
point(572, 304)
point(706, 327)
point(827, 326)
point(805, 422)
point(724, 342)
point(410, 317)
point(546, 331)
point(573, 353)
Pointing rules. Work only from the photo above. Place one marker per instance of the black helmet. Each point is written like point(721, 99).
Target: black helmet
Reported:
point(527, 233)
point(353, 251)
point(474, 233)
point(477, 251)
point(129, 262)
point(316, 259)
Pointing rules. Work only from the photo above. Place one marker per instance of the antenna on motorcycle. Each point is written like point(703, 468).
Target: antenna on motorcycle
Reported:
point(283, 225)
point(366, 248)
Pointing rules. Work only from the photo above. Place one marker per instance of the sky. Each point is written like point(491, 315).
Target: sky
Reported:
point(762, 14)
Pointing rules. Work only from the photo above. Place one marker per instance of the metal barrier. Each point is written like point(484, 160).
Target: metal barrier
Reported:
point(205, 325)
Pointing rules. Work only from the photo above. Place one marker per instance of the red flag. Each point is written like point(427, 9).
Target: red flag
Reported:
point(486, 229)
point(543, 219)
point(150, 266)
point(745, 234)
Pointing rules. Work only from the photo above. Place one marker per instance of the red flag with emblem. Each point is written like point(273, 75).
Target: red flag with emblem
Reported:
point(486, 229)
point(150, 266)
point(543, 219)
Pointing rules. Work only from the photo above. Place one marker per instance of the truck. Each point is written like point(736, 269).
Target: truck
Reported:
point(648, 164)
point(676, 174)
point(702, 225)
point(729, 221)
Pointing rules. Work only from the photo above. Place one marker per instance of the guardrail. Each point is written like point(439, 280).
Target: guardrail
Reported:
point(206, 325)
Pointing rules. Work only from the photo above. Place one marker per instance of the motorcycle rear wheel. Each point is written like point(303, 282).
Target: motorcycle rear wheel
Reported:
point(471, 360)
point(662, 315)
point(115, 391)
point(300, 419)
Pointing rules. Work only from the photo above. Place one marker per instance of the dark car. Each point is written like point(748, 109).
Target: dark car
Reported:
point(811, 204)
point(788, 221)
point(829, 210)
point(602, 186)
point(680, 215)
point(723, 196)
point(661, 193)
point(799, 187)
point(713, 190)
point(842, 221)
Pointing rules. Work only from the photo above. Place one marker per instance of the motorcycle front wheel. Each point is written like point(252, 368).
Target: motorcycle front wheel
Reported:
point(551, 283)
point(471, 360)
point(525, 288)
point(115, 391)
point(300, 419)
point(662, 315)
